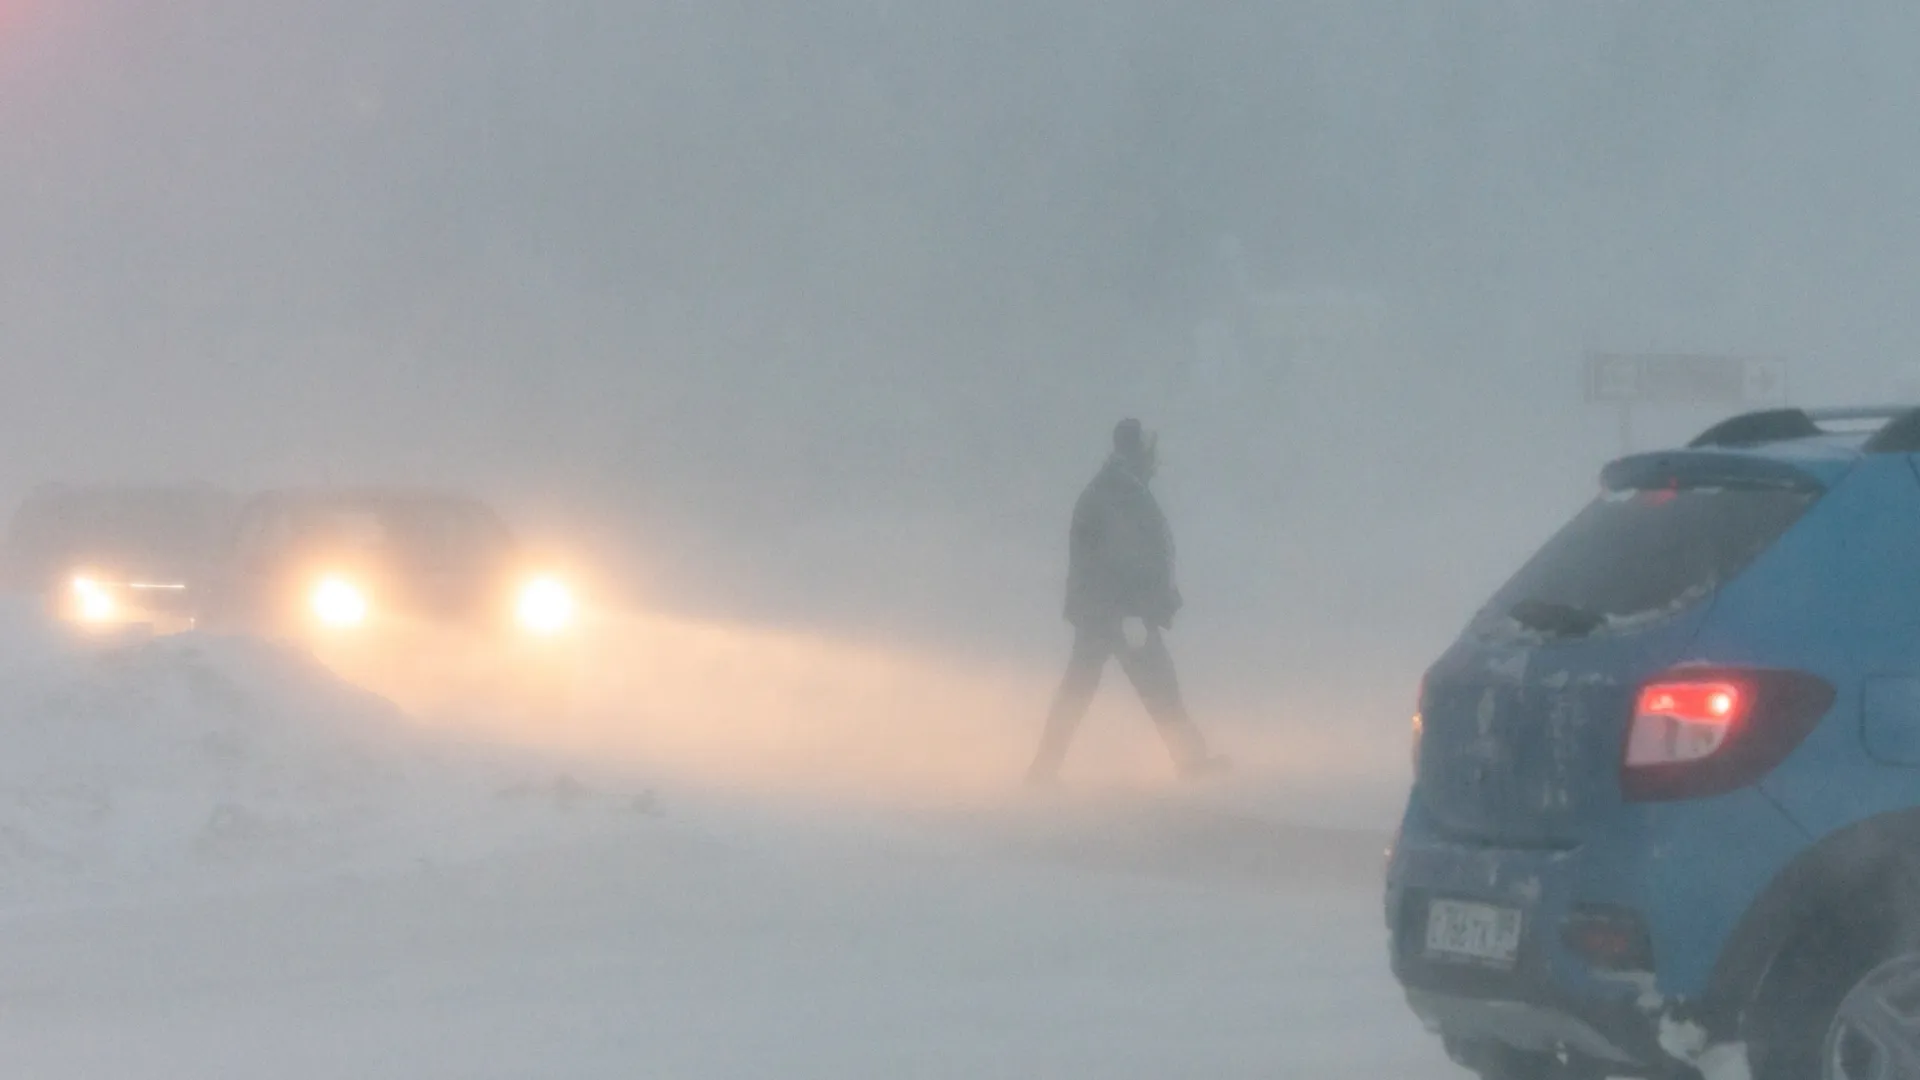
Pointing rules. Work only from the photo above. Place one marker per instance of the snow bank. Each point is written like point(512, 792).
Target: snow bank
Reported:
point(179, 761)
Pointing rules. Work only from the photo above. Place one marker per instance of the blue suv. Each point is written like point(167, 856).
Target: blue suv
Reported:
point(1665, 820)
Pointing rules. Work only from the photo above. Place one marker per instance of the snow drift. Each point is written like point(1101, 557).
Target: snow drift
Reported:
point(128, 763)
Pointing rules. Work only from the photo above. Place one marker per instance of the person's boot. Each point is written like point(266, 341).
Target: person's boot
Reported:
point(1189, 749)
point(1043, 775)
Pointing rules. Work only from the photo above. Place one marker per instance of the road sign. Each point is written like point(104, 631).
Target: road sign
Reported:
point(1682, 379)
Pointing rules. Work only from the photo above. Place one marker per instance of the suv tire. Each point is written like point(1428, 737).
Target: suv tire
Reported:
point(1875, 1030)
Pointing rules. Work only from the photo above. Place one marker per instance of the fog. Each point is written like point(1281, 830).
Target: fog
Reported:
point(788, 334)
point(738, 270)
point(817, 316)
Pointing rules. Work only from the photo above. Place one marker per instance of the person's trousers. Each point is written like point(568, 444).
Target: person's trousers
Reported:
point(1149, 667)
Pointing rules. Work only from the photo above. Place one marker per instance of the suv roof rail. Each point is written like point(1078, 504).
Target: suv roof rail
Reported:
point(1895, 428)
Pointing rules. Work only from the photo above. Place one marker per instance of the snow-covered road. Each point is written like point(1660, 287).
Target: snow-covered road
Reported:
point(672, 952)
point(219, 860)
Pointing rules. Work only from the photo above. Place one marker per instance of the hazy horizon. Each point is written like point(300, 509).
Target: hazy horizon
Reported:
point(820, 301)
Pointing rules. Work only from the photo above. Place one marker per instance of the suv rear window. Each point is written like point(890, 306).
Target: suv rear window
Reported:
point(1634, 557)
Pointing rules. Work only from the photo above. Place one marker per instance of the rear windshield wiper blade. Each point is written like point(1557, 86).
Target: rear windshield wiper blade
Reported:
point(1555, 618)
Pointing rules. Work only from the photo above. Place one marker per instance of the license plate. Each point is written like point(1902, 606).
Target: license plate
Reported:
point(1473, 933)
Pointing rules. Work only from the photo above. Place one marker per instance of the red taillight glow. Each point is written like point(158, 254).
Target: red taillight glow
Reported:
point(1419, 725)
point(1678, 722)
point(1709, 731)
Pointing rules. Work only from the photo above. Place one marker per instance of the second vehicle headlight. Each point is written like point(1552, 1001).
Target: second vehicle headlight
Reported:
point(546, 606)
point(93, 603)
point(339, 603)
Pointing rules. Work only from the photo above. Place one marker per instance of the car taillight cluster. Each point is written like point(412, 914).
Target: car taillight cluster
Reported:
point(1701, 732)
point(1678, 722)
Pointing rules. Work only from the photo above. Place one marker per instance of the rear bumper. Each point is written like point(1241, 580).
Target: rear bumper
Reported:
point(1689, 872)
point(1519, 1024)
point(1547, 1003)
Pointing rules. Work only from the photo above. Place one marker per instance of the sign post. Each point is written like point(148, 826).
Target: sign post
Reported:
point(1625, 380)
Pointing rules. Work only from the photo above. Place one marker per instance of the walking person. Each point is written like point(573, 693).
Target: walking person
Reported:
point(1121, 600)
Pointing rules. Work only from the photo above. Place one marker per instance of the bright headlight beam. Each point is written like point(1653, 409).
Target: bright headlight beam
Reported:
point(338, 603)
point(95, 604)
point(546, 606)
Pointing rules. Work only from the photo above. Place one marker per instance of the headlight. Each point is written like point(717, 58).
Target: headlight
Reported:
point(92, 602)
point(546, 606)
point(338, 603)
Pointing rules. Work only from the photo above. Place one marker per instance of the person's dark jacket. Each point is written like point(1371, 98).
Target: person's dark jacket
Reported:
point(1120, 552)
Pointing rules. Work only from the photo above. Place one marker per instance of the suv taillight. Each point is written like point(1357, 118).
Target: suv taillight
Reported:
point(1419, 725)
point(1678, 722)
point(1708, 731)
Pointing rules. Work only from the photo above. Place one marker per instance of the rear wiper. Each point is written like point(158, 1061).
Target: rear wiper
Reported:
point(1556, 619)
